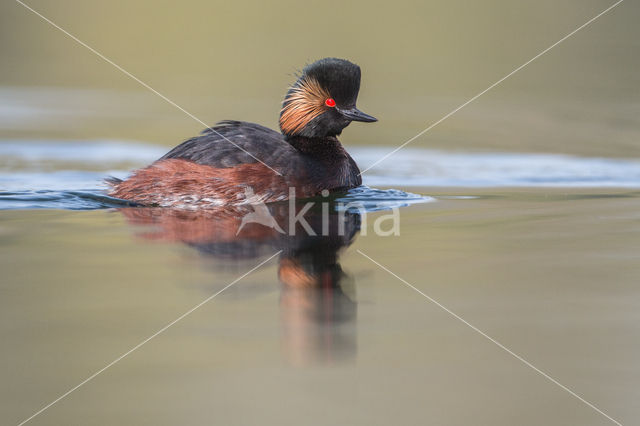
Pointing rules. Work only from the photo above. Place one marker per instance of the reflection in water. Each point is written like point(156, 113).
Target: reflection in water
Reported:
point(317, 302)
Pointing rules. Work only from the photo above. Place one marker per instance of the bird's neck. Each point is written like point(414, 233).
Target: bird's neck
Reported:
point(328, 161)
point(327, 147)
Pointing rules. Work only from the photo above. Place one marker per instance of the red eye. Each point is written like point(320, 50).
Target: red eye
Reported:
point(330, 102)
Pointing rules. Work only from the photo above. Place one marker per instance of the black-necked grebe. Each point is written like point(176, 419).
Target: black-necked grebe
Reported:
point(236, 162)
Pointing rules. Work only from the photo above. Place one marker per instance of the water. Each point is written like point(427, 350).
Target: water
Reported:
point(420, 167)
point(550, 272)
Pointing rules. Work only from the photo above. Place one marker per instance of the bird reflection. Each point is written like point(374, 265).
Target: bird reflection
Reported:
point(317, 299)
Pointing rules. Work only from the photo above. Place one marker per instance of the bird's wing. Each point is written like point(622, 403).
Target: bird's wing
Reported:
point(230, 143)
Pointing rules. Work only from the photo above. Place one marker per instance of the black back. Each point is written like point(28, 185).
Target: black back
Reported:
point(230, 143)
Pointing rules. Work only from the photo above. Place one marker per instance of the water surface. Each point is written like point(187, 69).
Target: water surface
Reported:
point(320, 333)
point(552, 274)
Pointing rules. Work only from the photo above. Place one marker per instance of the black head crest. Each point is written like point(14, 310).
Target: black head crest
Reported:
point(339, 77)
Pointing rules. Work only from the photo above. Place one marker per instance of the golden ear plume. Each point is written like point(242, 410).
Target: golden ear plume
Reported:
point(305, 102)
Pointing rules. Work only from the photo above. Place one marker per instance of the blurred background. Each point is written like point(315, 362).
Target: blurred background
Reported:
point(234, 60)
point(552, 273)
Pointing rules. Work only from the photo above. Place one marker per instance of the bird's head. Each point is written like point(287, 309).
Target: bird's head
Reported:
point(322, 101)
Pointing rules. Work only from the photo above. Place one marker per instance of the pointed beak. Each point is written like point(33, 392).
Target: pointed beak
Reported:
point(354, 114)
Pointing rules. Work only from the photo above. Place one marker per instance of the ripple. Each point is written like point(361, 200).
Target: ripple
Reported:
point(362, 199)
point(67, 200)
point(368, 199)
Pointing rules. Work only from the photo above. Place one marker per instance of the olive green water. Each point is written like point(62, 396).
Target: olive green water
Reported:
point(551, 274)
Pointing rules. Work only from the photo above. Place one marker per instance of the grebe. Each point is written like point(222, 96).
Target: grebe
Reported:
point(236, 162)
